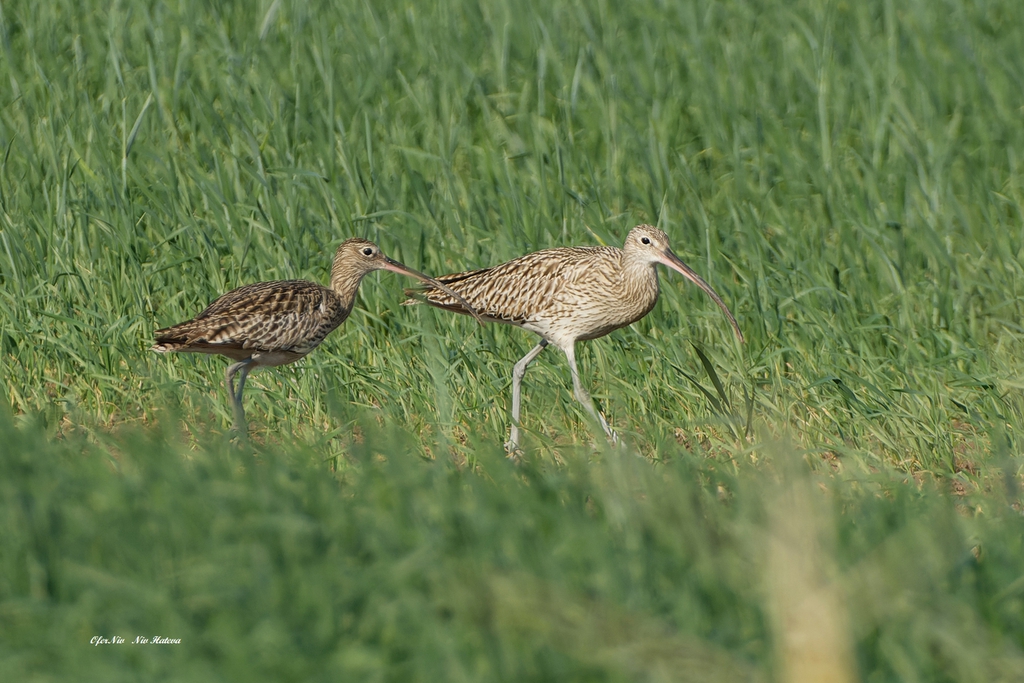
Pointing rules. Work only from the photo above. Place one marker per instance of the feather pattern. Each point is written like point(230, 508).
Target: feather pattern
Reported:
point(581, 292)
point(568, 294)
point(287, 316)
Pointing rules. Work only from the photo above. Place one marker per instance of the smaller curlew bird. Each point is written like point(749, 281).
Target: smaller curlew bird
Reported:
point(565, 295)
point(276, 323)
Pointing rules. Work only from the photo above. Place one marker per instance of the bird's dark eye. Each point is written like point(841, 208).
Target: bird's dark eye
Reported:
point(368, 251)
point(645, 240)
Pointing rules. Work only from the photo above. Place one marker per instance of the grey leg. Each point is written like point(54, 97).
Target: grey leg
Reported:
point(581, 394)
point(236, 397)
point(517, 384)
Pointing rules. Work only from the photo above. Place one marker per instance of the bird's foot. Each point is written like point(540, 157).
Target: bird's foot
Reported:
point(239, 429)
point(512, 450)
point(238, 422)
point(609, 432)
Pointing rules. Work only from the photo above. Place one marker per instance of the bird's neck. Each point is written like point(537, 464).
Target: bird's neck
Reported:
point(345, 284)
point(636, 267)
point(640, 280)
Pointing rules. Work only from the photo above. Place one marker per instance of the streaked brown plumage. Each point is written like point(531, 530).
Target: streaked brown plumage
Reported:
point(275, 323)
point(569, 294)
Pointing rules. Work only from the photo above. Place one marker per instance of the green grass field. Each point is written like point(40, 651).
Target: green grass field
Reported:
point(836, 499)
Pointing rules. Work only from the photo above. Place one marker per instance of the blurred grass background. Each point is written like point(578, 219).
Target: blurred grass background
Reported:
point(847, 175)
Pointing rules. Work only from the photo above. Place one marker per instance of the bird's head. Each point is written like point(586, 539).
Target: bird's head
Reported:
point(650, 245)
point(361, 256)
point(356, 257)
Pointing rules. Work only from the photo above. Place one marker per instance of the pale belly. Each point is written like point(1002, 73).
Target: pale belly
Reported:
point(275, 358)
point(582, 324)
point(265, 359)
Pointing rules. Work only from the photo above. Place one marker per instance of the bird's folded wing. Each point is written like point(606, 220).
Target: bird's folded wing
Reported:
point(517, 290)
point(266, 316)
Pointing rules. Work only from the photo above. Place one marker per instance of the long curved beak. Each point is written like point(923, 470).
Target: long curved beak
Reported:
point(396, 267)
point(675, 263)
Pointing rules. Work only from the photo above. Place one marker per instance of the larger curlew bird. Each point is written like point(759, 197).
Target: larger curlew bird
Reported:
point(276, 323)
point(568, 294)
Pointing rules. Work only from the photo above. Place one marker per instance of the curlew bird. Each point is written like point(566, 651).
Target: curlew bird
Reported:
point(565, 295)
point(276, 323)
